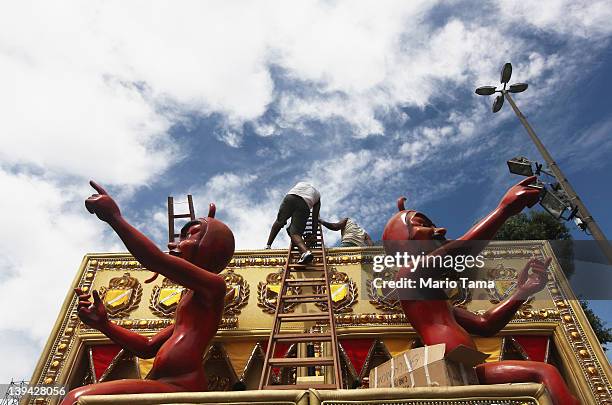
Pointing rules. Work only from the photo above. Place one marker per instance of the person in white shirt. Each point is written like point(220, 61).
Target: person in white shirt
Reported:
point(297, 204)
point(352, 233)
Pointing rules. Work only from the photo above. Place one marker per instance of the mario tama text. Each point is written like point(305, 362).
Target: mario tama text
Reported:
point(431, 283)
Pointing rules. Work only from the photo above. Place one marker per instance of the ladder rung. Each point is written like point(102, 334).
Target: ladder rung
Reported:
point(303, 317)
point(302, 337)
point(297, 299)
point(301, 387)
point(182, 216)
point(313, 281)
point(307, 269)
point(300, 361)
point(306, 265)
point(305, 280)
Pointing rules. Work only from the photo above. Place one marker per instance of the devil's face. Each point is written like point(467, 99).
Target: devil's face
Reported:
point(205, 242)
point(414, 226)
point(421, 228)
point(190, 237)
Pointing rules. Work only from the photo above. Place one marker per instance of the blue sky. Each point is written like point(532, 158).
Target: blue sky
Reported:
point(236, 102)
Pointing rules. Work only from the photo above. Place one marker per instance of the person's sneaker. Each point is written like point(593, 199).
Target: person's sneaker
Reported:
point(306, 257)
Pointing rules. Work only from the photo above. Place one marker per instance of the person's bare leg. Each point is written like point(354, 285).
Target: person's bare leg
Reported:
point(119, 387)
point(306, 255)
point(299, 242)
point(276, 227)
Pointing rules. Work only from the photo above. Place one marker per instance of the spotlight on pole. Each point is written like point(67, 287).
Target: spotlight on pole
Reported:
point(521, 166)
point(485, 90)
point(517, 87)
point(554, 204)
point(506, 73)
point(498, 103)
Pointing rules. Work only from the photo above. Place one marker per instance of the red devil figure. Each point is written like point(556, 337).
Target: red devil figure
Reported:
point(205, 247)
point(437, 321)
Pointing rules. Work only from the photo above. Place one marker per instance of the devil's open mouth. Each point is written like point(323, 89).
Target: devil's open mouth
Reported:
point(439, 237)
point(175, 252)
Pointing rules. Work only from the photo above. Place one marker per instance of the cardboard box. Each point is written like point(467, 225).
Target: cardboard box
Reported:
point(428, 367)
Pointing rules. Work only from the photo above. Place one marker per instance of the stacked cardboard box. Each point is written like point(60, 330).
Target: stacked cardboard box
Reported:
point(428, 366)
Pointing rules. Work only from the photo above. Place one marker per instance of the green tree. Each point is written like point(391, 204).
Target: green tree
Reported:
point(538, 225)
point(603, 333)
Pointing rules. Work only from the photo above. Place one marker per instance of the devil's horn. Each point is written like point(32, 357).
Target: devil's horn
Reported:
point(150, 280)
point(400, 203)
point(211, 210)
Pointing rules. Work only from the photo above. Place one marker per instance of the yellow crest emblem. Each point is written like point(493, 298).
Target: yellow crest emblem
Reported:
point(122, 295)
point(165, 298)
point(383, 299)
point(268, 291)
point(343, 292)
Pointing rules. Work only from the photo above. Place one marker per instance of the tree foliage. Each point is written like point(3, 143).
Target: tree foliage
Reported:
point(603, 333)
point(537, 225)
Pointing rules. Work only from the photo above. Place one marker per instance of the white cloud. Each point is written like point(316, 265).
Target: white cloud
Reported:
point(45, 233)
point(359, 60)
point(250, 219)
point(339, 180)
point(596, 140)
point(584, 18)
point(230, 137)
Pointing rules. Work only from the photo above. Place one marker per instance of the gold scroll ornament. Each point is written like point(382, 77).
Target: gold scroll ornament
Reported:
point(236, 294)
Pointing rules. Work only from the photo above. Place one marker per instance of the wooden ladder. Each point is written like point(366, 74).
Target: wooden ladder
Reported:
point(318, 265)
point(172, 216)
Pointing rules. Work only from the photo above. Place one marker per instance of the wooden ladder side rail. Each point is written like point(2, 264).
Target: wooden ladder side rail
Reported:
point(332, 320)
point(172, 216)
point(265, 373)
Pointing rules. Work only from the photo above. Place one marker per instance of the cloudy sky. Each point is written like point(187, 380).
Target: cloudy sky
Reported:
point(235, 101)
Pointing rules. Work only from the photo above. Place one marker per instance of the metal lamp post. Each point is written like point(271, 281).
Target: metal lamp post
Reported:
point(583, 213)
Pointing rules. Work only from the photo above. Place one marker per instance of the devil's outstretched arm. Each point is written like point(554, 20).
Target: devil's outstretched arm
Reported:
point(491, 322)
point(531, 279)
point(179, 270)
point(148, 254)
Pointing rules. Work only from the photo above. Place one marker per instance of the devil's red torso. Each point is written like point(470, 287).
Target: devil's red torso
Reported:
point(179, 360)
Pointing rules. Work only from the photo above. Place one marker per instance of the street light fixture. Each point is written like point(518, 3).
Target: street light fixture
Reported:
point(517, 87)
point(521, 166)
point(569, 194)
point(554, 205)
point(498, 103)
point(505, 76)
point(485, 90)
point(553, 198)
point(506, 73)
